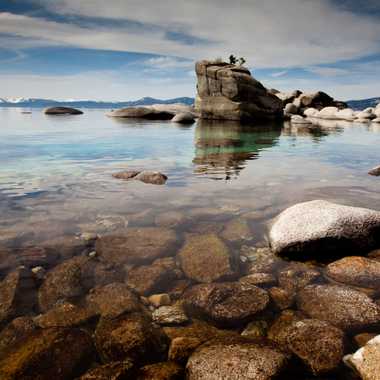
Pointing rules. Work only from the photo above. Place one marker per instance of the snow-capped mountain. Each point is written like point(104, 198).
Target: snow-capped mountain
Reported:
point(42, 103)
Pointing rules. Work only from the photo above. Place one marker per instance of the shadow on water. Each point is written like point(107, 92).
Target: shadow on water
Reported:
point(223, 148)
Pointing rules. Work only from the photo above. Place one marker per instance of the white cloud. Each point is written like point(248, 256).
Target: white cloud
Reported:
point(103, 85)
point(165, 63)
point(279, 74)
point(268, 33)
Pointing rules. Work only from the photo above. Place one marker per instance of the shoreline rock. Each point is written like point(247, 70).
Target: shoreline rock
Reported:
point(62, 111)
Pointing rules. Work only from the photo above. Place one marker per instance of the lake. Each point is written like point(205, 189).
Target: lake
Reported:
point(56, 172)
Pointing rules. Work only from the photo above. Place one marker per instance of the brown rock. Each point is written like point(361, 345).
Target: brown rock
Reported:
point(127, 174)
point(182, 347)
point(229, 92)
point(170, 315)
point(65, 315)
point(47, 354)
point(317, 343)
point(237, 230)
point(237, 358)
point(157, 277)
point(161, 371)
point(142, 113)
point(170, 219)
point(68, 281)
point(226, 303)
point(137, 246)
point(362, 339)
point(296, 276)
point(205, 258)
point(130, 336)
point(18, 295)
point(113, 300)
point(62, 111)
point(342, 306)
point(375, 171)
point(258, 279)
point(282, 298)
point(111, 371)
point(154, 178)
point(357, 271)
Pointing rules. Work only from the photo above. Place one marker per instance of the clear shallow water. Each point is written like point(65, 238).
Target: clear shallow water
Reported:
point(57, 171)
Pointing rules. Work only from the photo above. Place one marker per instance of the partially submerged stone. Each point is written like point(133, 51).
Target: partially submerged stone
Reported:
point(237, 358)
point(324, 229)
point(366, 361)
point(142, 113)
point(205, 258)
point(375, 171)
point(356, 271)
point(126, 174)
point(341, 306)
point(184, 118)
point(137, 245)
point(227, 303)
point(152, 177)
point(62, 111)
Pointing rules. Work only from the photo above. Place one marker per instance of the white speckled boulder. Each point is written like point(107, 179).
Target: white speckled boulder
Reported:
point(366, 361)
point(325, 229)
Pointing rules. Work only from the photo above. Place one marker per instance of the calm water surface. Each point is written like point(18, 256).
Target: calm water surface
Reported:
point(56, 172)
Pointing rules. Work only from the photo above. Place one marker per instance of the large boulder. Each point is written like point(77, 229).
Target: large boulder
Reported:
point(227, 303)
point(229, 92)
point(235, 359)
point(205, 258)
point(324, 229)
point(341, 306)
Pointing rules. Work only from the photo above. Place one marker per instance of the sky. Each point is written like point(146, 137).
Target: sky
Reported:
point(127, 49)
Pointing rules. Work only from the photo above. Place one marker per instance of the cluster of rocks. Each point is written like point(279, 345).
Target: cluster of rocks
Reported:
point(177, 113)
point(146, 176)
point(149, 303)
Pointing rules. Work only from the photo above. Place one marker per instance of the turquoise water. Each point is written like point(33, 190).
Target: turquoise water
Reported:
point(57, 171)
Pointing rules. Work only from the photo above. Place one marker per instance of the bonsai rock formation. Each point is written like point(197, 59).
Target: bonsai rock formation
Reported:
point(229, 92)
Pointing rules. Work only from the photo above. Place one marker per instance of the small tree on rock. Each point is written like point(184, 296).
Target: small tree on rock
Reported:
point(242, 61)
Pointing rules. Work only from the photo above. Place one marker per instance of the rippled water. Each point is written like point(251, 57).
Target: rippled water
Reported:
point(59, 169)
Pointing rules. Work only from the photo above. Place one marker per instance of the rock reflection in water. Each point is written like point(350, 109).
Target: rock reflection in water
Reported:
point(222, 148)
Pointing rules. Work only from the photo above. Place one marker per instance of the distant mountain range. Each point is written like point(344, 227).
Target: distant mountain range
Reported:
point(364, 103)
point(43, 103)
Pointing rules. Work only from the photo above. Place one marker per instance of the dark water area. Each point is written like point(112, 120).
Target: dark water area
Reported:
point(226, 182)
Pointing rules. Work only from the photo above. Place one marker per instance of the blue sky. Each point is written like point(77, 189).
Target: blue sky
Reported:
point(126, 49)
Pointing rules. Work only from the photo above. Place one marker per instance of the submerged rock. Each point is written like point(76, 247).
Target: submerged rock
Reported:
point(227, 303)
point(113, 300)
point(47, 354)
point(229, 92)
point(62, 111)
point(126, 174)
point(236, 358)
point(205, 258)
point(157, 277)
point(111, 371)
point(319, 344)
point(356, 271)
point(66, 282)
point(130, 336)
point(170, 315)
point(237, 230)
point(18, 295)
point(323, 229)
point(161, 371)
point(341, 306)
point(137, 245)
point(366, 361)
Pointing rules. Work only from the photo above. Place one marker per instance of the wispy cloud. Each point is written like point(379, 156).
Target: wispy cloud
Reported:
point(278, 74)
